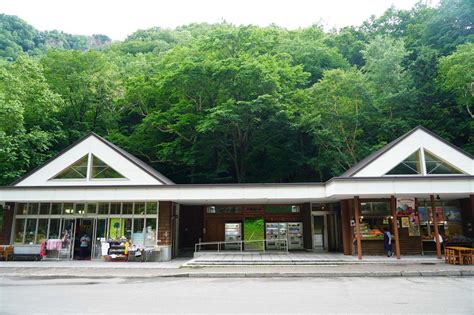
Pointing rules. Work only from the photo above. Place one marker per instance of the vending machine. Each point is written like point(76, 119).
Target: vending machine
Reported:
point(233, 232)
point(295, 235)
point(275, 232)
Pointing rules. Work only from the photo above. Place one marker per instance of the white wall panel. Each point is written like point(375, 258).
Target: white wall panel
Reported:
point(208, 194)
point(134, 174)
point(419, 139)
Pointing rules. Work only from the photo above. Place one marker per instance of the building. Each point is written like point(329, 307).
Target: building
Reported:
point(95, 188)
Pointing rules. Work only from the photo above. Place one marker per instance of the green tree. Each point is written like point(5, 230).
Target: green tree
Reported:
point(26, 137)
point(456, 75)
point(340, 116)
point(88, 84)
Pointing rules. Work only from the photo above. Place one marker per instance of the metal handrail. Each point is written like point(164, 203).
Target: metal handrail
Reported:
point(198, 246)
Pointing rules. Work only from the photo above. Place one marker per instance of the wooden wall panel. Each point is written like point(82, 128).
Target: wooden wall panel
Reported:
point(164, 223)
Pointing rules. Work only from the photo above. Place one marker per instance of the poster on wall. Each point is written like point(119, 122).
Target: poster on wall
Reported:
point(452, 214)
point(423, 214)
point(405, 206)
point(413, 229)
point(424, 211)
point(405, 222)
point(116, 228)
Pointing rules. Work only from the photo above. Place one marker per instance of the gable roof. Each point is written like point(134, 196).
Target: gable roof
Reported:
point(134, 160)
point(372, 157)
point(147, 168)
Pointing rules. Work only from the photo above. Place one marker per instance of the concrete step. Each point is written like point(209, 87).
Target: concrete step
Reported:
point(203, 262)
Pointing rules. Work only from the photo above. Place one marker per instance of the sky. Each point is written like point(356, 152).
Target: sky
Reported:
point(119, 18)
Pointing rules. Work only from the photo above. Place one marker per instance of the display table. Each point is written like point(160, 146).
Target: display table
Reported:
point(459, 255)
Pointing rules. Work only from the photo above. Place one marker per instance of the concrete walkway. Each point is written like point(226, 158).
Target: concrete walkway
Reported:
point(233, 266)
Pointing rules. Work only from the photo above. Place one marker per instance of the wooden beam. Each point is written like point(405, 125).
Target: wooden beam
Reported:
point(357, 223)
point(393, 208)
point(346, 227)
point(435, 224)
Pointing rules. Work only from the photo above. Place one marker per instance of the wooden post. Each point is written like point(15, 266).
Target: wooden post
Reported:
point(435, 224)
point(357, 218)
point(393, 208)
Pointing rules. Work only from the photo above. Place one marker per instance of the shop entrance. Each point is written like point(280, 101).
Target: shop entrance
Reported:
point(325, 231)
point(190, 228)
point(83, 239)
point(319, 238)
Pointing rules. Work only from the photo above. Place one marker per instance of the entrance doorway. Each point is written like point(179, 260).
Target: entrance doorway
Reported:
point(190, 229)
point(319, 239)
point(325, 231)
point(83, 236)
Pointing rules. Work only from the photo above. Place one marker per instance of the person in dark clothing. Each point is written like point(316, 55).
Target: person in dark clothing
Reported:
point(387, 242)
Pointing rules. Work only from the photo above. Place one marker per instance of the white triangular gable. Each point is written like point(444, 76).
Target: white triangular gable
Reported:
point(419, 139)
point(132, 173)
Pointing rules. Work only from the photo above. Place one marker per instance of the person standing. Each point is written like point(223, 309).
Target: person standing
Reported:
point(440, 238)
point(387, 242)
point(85, 239)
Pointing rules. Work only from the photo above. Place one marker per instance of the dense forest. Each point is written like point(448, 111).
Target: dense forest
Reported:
point(217, 103)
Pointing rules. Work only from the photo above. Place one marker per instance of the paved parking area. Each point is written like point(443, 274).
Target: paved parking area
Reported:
point(438, 295)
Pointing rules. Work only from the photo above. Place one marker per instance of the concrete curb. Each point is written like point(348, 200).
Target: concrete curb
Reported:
point(217, 275)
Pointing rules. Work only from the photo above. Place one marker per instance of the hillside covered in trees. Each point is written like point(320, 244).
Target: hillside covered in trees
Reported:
point(223, 103)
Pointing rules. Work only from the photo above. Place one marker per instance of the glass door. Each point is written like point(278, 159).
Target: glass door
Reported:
point(318, 232)
point(100, 237)
point(83, 238)
point(68, 235)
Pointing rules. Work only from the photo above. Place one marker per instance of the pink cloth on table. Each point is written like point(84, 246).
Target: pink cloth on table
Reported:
point(54, 244)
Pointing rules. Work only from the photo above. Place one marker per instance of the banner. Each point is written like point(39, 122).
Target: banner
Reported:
point(405, 206)
point(405, 222)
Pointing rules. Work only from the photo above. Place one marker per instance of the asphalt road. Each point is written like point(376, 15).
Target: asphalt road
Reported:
point(444, 295)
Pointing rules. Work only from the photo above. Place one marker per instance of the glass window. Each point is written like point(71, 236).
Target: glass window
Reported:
point(410, 166)
point(68, 208)
point(436, 166)
point(42, 231)
point(151, 208)
point(223, 209)
point(375, 208)
point(78, 170)
point(139, 208)
point(80, 208)
point(127, 208)
point(103, 208)
point(115, 208)
point(19, 230)
point(54, 229)
point(33, 208)
point(101, 228)
point(150, 232)
point(91, 208)
point(127, 228)
point(138, 235)
point(22, 209)
point(44, 208)
point(30, 231)
point(56, 208)
point(101, 170)
point(282, 209)
point(67, 232)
